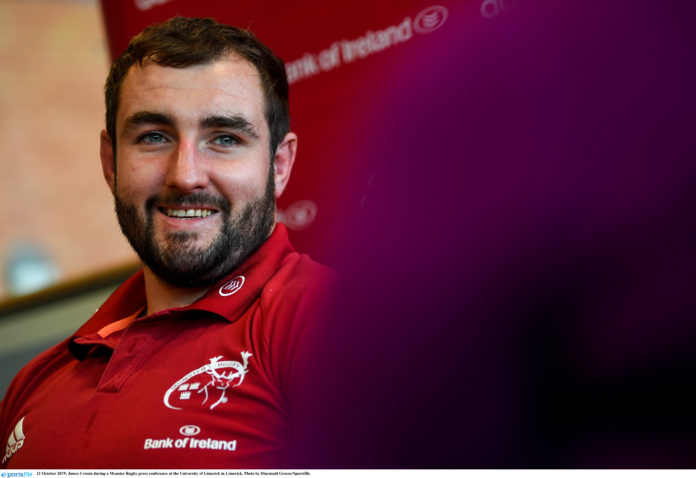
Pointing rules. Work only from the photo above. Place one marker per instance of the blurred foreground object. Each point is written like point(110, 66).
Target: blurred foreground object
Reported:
point(519, 274)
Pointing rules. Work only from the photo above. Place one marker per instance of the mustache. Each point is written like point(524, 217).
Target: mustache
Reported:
point(198, 198)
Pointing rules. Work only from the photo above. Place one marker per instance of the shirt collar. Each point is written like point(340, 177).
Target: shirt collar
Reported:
point(229, 298)
point(235, 293)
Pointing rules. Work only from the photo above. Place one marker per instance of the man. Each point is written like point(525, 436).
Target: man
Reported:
point(196, 361)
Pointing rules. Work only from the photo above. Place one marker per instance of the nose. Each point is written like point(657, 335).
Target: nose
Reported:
point(185, 171)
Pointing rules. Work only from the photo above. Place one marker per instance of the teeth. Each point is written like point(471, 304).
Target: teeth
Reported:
point(188, 212)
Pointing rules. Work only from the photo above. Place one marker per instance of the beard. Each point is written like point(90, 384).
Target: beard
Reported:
point(176, 259)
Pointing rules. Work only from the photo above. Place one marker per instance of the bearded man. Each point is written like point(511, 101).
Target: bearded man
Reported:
point(195, 360)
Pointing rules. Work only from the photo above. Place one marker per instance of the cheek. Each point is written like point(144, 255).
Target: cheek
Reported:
point(135, 181)
point(243, 186)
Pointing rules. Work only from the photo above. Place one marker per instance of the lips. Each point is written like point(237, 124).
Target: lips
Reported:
point(189, 207)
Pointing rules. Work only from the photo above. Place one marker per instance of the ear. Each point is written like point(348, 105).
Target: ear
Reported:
point(106, 151)
point(284, 160)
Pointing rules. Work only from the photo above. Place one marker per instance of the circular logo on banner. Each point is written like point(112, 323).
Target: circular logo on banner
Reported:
point(298, 215)
point(430, 19)
point(491, 8)
point(148, 4)
point(189, 430)
point(232, 286)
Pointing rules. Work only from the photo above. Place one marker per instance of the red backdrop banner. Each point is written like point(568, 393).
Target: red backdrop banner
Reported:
point(332, 51)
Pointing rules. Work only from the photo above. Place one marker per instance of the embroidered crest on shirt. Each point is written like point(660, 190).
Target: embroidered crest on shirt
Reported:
point(208, 384)
point(15, 441)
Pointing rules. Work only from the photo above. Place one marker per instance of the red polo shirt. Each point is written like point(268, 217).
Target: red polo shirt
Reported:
point(210, 385)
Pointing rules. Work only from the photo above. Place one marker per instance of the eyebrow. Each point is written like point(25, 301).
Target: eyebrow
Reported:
point(147, 117)
point(235, 122)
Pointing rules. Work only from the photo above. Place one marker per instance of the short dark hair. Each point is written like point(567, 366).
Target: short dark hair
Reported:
point(180, 42)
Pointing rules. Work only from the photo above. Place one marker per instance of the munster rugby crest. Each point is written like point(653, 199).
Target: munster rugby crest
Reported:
point(207, 386)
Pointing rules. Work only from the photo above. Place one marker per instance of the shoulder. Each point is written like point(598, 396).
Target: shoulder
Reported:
point(293, 311)
point(299, 279)
point(294, 301)
point(301, 271)
point(29, 379)
point(37, 367)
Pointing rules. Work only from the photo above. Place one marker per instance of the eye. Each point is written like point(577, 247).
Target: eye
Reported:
point(153, 138)
point(225, 140)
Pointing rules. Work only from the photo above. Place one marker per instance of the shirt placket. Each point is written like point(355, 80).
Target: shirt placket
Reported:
point(127, 358)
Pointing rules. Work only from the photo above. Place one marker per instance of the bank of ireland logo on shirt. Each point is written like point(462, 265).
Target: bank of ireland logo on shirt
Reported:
point(15, 441)
point(232, 286)
point(208, 385)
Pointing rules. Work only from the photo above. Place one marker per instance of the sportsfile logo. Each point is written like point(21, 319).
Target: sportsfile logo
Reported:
point(15, 441)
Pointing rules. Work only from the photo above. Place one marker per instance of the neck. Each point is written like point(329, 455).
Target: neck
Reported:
point(161, 295)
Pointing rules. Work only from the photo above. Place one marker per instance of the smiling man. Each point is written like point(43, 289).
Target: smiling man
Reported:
point(197, 360)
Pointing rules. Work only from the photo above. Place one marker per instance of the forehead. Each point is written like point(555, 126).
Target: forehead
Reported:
point(231, 85)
